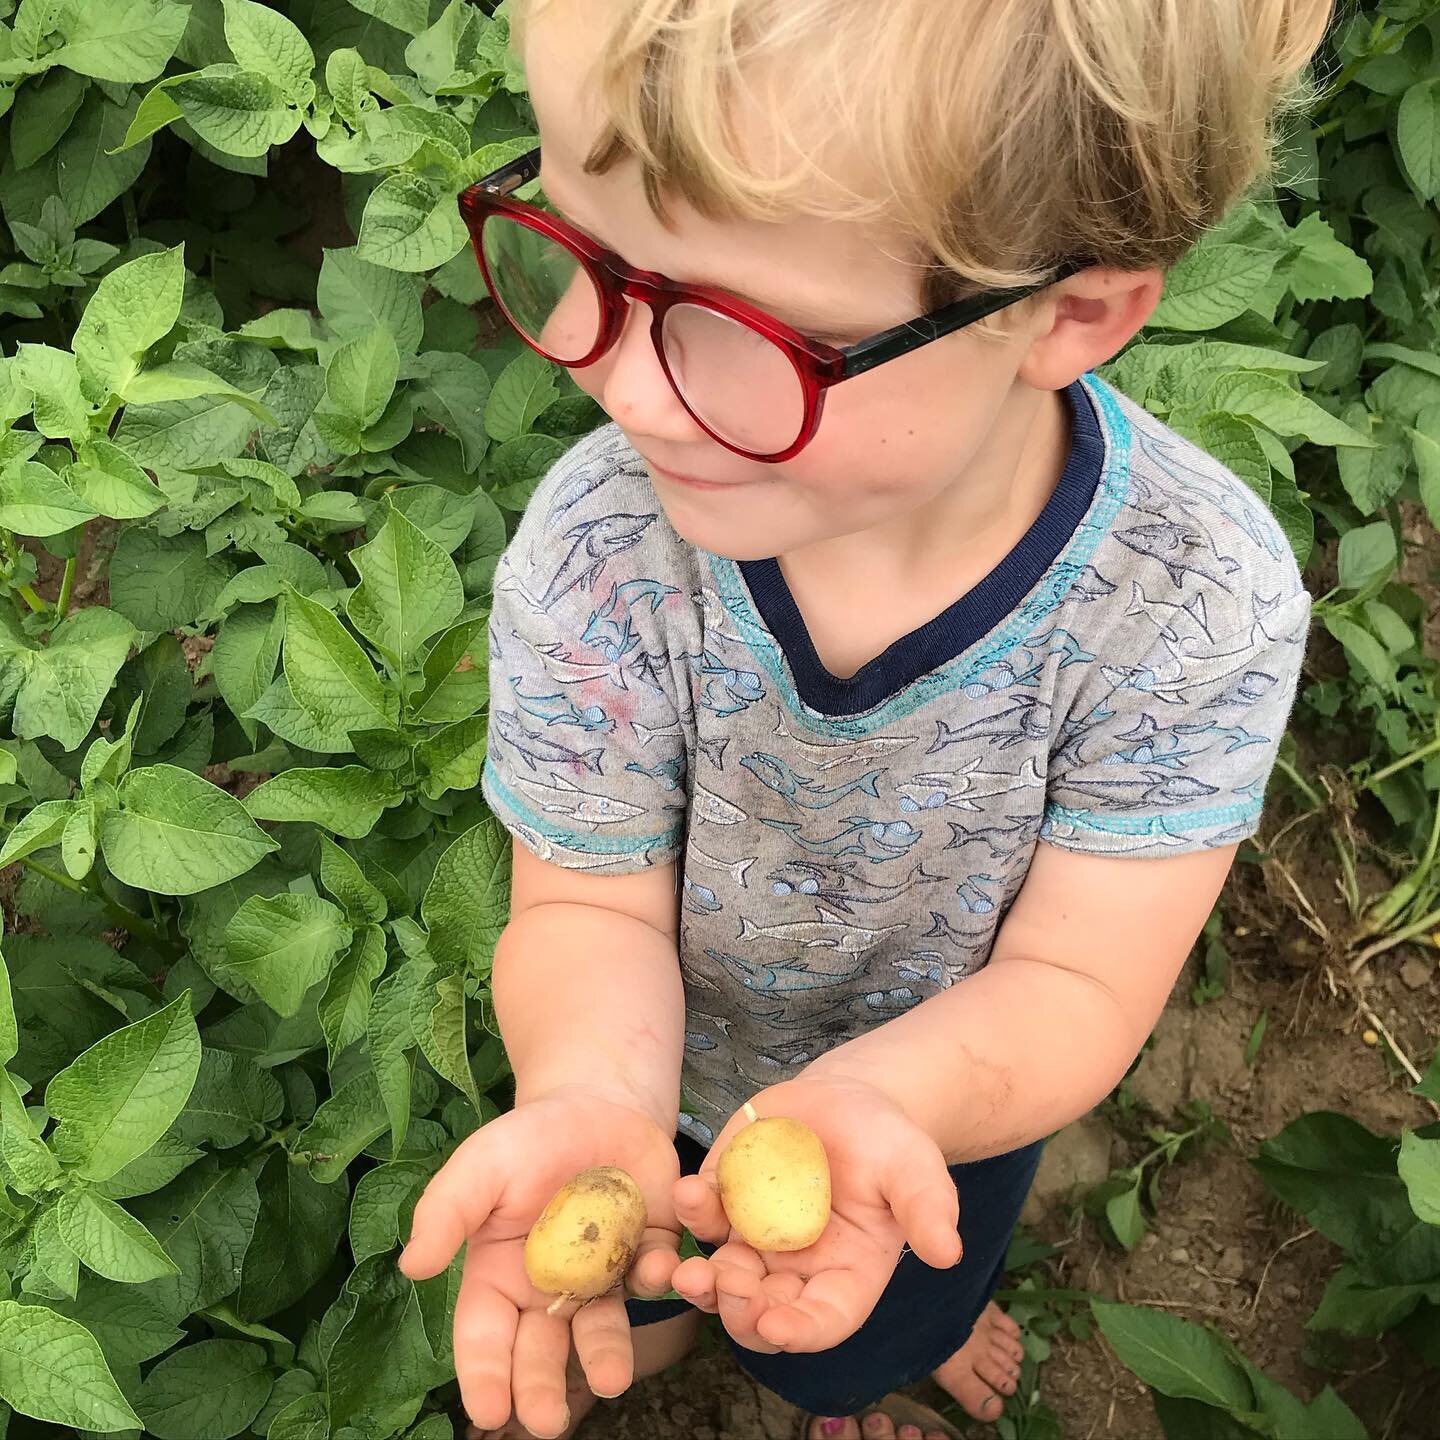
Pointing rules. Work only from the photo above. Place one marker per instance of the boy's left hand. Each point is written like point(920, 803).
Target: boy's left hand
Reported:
point(889, 1187)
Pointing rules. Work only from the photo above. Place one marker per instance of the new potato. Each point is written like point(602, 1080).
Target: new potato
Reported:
point(775, 1184)
point(585, 1239)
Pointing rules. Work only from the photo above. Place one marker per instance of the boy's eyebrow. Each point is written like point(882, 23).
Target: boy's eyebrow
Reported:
point(810, 322)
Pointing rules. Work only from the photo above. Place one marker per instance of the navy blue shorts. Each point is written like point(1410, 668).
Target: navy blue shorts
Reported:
point(923, 1317)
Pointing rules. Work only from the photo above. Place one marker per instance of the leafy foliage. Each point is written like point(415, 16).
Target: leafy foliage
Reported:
point(254, 481)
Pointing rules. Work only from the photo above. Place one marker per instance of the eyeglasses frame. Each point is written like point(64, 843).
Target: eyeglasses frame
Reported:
point(818, 365)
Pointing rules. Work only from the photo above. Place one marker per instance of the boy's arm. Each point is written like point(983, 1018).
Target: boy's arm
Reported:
point(1078, 976)
point(587, 985)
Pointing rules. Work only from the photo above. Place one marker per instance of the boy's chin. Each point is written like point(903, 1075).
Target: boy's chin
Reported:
point(737, 539)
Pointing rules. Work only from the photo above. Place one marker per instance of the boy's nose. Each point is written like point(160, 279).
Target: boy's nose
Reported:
point(633, 387)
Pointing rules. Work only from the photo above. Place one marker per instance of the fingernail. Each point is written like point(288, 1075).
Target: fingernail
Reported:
point(832, 1427)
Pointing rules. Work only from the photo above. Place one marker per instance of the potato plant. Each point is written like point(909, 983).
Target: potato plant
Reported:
point(261, 444)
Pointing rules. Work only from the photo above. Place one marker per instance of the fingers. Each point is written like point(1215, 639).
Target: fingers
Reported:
point(601, 1332)
point(654, 1265)
point(741, 1295)
point(485, 1327)
point(542, 1350)
point(695, 1280)
point(456, 1203)
point(830, 1308)
point(697, 1203)
point(921, 1195)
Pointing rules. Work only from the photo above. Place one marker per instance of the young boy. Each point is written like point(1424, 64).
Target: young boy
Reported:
point(862, 656)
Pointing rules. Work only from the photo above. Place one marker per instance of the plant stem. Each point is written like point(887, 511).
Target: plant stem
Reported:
point(1300, 783)
point(25, 592)
point(1410, 932)
point(1424, 753)
point(126, 918)
point(67, 584)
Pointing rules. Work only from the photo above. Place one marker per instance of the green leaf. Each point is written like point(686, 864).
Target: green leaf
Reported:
point(185, 381)
point(110, 1240)
point(384, 1203)
point(328, 674)
point(1284, 410)
point(205, 1221)
point(455, 393)
point(1425, 439)
point(233, 1100)
point(1123, 1213)
point(60, 407)
point(1419, 1168)
point(152, 1171)
point(410, 223)
point(77, 840)
point(454, 758)
point(1363, 649)
point(361, 375)
point(440, 1029)
point(90, 176)
point(266, 43)
point(296, 1236)
point(1367, 555)
point(247, 649)
point(126, 1321)
point(447, 518)
point(187, 434)
point(389, 1036)
point(1371, 477)
point(1325, 269)
point(346, 799)
point(355, 296)
point(154, 112)
point(44, 108)
point(66, 682)
point(344, 879)
point(55, 1271)
point(51, 1368)
point(381, 1358)
point(9, 1035)
point(1418, 137)
point(111, 483)
point(28, 1161)
point(345, 1005)
point(34, 500)
point(176, 833)
point(409, 590)
point(305, 1418)
point(1212, 284)
point(117, 1098)
point(525, 390)
point(352, 1118)
point(456, 681)
point(466, 903)
point(37, 829)
point(243, 114)
point(1234, 443)
point(209, 1390)
point(134, 307)
point(292, 395)
point(126, 41)
point(160, 583)
point(276, 949)
point(1173, 1356)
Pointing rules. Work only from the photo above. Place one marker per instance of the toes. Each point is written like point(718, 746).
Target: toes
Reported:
point(994, 1369)
point(878, 1427)
point(835, 1429)
point(997, 1317)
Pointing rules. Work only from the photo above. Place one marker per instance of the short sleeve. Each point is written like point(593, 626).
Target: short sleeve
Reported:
point(1172, 755)
point(588, 752)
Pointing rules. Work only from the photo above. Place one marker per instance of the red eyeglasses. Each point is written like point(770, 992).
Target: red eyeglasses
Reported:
point(751, 382)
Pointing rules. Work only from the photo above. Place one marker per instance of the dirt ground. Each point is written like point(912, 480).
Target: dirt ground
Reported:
point(1221, 1250)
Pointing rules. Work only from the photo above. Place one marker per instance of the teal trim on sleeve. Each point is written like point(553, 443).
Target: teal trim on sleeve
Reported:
point(1177, 825)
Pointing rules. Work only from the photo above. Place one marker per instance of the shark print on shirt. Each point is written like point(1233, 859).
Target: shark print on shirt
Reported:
point(838, 863)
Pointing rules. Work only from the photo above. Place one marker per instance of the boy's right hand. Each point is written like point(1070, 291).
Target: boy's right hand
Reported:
point(510, 1353)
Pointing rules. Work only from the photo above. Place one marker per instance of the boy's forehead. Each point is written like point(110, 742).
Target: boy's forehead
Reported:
point(811, 257)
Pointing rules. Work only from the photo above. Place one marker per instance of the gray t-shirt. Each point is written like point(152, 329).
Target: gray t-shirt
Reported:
point(850, 847)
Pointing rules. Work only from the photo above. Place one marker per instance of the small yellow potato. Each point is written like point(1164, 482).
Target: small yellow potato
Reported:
point(775, 1184)
point(585, 1239)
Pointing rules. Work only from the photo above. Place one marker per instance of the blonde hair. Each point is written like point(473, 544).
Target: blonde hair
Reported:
point(1002, 136)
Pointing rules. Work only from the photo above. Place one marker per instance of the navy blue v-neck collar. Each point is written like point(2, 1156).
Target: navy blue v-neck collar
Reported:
point(959, 626)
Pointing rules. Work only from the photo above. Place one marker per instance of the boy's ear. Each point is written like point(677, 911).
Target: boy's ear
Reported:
point(1085, 321)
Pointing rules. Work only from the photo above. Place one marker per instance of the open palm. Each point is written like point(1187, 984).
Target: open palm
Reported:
point(511, 1352)
point(889, 1187)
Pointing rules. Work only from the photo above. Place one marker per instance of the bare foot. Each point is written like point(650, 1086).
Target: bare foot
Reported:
point(880, 1426)
point(986, 1367)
